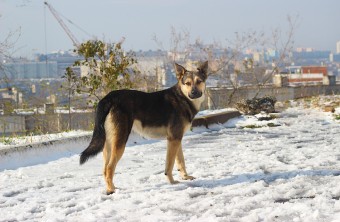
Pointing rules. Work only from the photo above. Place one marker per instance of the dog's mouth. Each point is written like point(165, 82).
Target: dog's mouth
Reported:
point(195, 94)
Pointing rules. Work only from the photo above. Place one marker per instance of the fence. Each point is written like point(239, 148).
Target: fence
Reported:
point(45, 123)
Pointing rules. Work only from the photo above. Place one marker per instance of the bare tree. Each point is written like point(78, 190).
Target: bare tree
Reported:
point(228, 62)
point(7, 48)
point(283, 44)
point(179, 45)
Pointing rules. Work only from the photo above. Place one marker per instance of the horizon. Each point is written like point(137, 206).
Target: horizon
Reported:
point(140, 21)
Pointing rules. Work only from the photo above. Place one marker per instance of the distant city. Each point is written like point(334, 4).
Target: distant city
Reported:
point(33, 99)
point(39, 79)
point(53, 65)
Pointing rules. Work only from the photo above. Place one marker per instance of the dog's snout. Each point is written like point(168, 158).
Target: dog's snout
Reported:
point(195, 93)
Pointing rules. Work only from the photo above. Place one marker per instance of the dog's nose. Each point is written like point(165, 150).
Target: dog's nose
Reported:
point(194, 92)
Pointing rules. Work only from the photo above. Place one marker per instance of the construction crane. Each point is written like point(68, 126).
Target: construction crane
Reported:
point(66, 29)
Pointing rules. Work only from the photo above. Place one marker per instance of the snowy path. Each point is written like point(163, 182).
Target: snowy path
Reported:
point(285, 173)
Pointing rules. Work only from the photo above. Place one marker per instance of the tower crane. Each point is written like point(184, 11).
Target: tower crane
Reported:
point(62, 24)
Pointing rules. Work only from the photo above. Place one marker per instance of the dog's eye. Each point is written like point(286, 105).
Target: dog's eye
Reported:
point(188, 83)
point(199, 81)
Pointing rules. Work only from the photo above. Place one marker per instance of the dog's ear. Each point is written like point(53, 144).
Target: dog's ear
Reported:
point(203, 69)
point(180, 70)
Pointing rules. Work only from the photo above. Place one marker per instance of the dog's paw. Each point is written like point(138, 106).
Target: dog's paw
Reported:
point(188, 177)
point(174, 182)
point(109, 192)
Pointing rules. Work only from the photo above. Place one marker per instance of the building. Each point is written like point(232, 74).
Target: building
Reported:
point(338, 47)
point(305, 57)
point(30, 70)
point(64, 59)
point(10, 98)
point(302, 75)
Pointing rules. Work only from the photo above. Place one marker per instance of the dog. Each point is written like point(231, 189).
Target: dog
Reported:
point(163, 114)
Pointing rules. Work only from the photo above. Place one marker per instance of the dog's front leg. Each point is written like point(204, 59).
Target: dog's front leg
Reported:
point(181, 164)
point(173, 147)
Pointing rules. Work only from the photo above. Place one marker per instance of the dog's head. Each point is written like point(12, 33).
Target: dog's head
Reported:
point(192, 83)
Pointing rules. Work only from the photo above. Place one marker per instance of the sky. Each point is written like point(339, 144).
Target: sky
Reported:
point(140, 20)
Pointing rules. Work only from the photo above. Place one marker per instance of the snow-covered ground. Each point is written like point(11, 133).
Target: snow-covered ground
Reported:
point(289, 172)
point(32, 139)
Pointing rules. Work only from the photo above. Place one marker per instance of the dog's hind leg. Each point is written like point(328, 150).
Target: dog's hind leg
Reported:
point(116, 153)
point(173, 147)
point(181, 164)
point(106, 157)
point(117, 132)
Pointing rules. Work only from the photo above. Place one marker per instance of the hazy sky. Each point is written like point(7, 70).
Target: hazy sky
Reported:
point(140, 20)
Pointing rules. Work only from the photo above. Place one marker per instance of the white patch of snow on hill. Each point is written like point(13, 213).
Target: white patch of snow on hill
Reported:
point(285, 173)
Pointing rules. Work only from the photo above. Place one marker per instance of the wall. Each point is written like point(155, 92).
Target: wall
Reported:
point(219, 97)
point(79, 121)
point(53, 123)
point(44, 123)
point(12, 124)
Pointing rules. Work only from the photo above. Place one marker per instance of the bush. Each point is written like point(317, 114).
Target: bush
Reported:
point(257, 105)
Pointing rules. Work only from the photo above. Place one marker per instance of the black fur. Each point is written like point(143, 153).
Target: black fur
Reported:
point(98, 137)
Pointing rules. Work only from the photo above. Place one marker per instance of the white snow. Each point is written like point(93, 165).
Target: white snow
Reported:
point(285, 173)
point(22, 140)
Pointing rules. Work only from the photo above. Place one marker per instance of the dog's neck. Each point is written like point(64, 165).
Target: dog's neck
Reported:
point(198, 102)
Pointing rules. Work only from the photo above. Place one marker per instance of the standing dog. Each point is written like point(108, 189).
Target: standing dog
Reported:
point(163, 114)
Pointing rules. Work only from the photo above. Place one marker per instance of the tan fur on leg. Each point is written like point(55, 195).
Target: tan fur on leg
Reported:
point(181, 164)
point(113, 150)
point(116, 155)
point(106, 158)
point(173, 146)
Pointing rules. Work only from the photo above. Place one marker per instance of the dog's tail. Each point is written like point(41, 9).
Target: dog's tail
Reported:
point(99, 136)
